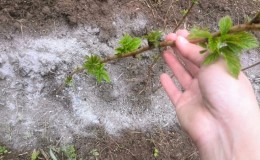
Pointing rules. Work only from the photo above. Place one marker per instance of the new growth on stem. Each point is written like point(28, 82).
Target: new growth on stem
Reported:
point(228, 42)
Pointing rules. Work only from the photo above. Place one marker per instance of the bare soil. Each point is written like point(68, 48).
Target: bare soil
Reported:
point(42, 40)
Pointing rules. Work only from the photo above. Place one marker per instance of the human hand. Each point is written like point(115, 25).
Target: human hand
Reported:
point(219, 112)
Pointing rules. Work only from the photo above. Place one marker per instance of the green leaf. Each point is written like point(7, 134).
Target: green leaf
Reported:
point(154, 38)
point(184, 12)
point(53, 156)
point(69, 81)
point(94, 152)
point(195, 1)
point(211, 58)
point(233, 48)
point(92, 63)
point(3, 150)
point(95, 67)
point(198, 33)
point(233, 63)
point(70, 152)
point(225, 24)
point(101, 74)
point(213, 44)
point(156, 152)
point(35, 154)
point(128, 44)
point(241, 40)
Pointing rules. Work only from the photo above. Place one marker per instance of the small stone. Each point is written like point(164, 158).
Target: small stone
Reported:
point(226, 8)
point(2, 76)
point(29, 15)
point(200, 17)
point(24, 72)
point(12, 59)
point(92, 30)
point(3, 18)
point(46, 10)
point(135, 72)
point(44, 73)
point(72, 20)
point(257, 80)
point(96, 30)
point(256, 87)
point(9, 37)
point(2, 103)
point(1, 61)
point(56, 9)
point(17, 25)
point(252, 76)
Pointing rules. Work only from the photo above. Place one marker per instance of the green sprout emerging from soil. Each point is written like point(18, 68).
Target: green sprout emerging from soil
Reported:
point(156, 153)
point(3, 150)
point(35, 154)
point(229, 42)
point(70, 152)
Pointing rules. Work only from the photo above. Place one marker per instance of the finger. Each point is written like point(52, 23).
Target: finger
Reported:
point(182, 32)
point(182, 75)
point(189, 51)
point(171, 37)
point(170, 88)
point(192, 68)
point(189, 66)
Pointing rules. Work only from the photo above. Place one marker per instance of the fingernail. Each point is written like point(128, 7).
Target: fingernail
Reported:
point(171, 37)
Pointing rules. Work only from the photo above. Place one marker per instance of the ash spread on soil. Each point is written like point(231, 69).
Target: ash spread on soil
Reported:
point(42, 40)
point(32, 68)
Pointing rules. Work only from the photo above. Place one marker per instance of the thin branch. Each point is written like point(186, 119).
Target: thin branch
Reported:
point(251, 66)
point(184, 17)
point(133, 54)
point(150, 68)
point(237, 28)
point(256, 19)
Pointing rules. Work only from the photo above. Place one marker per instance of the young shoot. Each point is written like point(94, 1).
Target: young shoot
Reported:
point(154, 38)
point(95, 67)
point(227, 45)
point(128, 44)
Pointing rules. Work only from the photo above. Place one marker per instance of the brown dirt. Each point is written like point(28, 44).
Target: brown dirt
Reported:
point(172, 144)
point(140, 145)
point(38, 16)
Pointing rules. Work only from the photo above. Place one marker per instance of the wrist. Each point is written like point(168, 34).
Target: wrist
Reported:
point(236, 142)
point(215, 147)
